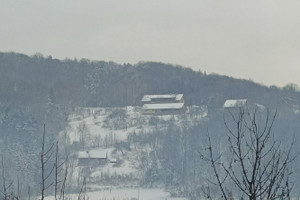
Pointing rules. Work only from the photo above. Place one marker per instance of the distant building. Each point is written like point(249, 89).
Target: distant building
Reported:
point(163, 98)
point(235, 103)
point(242, 103)
point(163, 104)
point(93, 157)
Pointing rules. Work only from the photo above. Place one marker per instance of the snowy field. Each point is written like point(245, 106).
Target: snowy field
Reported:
point(124, 194)
point(103, 123)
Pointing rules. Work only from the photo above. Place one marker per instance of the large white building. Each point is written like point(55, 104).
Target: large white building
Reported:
point(163, 104)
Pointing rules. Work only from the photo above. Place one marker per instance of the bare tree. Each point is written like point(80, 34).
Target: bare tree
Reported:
point(82, 193)
point(45, 156)
point(60, 176)
point(60, 173)
point(256, 166)
point(6, 195)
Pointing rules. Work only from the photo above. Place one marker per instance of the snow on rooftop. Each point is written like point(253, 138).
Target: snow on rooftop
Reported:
point(95, 153)
point(259, 106)
point(233, 103)
point(101, 192)
point(179, 97)
point(163, 106)
point(147, 98)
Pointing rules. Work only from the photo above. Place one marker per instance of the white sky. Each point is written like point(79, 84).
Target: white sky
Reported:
point(257, 39)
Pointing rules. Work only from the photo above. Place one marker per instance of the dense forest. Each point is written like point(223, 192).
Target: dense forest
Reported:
point(28, 81)
point(37, 90)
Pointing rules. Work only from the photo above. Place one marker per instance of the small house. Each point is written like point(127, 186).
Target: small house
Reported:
point(235, 103)
point(93, 157)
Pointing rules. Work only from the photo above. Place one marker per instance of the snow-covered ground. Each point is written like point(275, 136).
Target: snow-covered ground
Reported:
point(117, 123)
point(124, 194)
point(98, 130)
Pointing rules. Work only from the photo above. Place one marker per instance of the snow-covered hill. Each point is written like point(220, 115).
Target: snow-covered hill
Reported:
point(107, 131)
point(116, 124)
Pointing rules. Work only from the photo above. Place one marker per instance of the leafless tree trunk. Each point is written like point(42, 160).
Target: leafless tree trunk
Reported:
point(258, 166)
point(60, 181)
point(28, 192)
point(64, 180)
point(56, 181)
point(60, 173)
point(82, 193)
point(19, 192)
point(45, 156)
point(6, 187)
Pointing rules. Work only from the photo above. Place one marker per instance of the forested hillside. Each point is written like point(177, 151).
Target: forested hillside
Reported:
point(27, 81)
point(37, 90)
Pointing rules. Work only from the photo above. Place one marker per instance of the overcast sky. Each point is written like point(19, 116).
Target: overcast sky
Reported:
point(253, 39)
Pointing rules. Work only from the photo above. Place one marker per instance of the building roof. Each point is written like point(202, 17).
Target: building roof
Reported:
point(148, 98)
point(179, 97)
point(235, 103)
point(96, 154)
point(163, 106)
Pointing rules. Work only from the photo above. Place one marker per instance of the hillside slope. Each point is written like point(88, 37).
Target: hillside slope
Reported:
point(37, 90)
point(119, 132)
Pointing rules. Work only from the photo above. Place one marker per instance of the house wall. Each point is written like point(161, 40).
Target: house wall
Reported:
point(164, 111)
point(148, 112)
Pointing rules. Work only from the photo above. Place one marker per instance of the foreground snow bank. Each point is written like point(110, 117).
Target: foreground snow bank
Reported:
point(124, 194)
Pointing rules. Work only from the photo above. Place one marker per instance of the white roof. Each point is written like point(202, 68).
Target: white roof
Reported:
point(233, 103)
point(163, 106)
point(113, 160)
point(179, 96)
point(147, 98)
point(96, 153)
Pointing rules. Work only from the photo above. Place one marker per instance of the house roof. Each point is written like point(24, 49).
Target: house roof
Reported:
point(148, 98)
point(163, 106)
point(179, 97)
point(96, 153)
point(235, 103)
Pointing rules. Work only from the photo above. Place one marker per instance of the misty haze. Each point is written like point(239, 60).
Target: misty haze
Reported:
point(149, 100)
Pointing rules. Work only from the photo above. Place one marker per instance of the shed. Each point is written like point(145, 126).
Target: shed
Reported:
point(93, 157)
point(235, 103)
